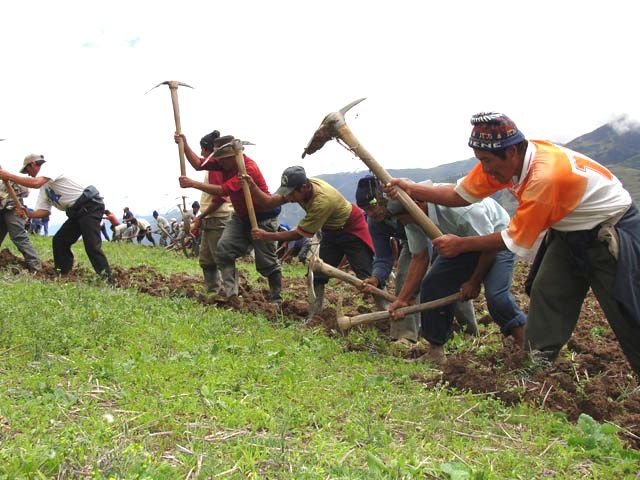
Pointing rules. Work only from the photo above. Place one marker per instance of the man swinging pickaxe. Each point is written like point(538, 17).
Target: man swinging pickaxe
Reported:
point(173, 88)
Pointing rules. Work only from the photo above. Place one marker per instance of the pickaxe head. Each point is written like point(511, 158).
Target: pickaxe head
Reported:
point(311, 259)
point(229, 149)
point(328, 128)
point(171, 83)
point(311, 290)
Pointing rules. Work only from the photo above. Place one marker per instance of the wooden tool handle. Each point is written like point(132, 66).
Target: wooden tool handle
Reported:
point(333, 272)
point(421, 218)
point(365, 318)
point(176, 118)
point(242, 171)
point(14, 197)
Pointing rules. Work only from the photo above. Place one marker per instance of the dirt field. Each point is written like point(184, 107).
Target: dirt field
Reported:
point(592, 377)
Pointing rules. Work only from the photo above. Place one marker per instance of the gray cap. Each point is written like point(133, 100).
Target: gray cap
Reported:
point(291, 179)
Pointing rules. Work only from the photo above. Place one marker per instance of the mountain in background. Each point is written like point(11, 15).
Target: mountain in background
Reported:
point(618, 149)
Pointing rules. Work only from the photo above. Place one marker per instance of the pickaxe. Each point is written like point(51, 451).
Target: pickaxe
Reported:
point(345, 322)
point(242, 172)
point(315, 264)
point(334, 126)
point(173, 88)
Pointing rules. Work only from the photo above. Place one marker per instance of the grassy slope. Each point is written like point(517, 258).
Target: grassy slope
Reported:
point(116, 384)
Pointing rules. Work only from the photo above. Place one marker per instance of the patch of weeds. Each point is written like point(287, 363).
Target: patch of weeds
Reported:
point(365, 340)
point(535, 361)
point(460, 471)
point(600, 440)
point(597, 331)
point(627, 390)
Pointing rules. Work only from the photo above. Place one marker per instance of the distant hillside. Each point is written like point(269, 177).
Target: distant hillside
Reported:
point(619, 151)
point(609, 147)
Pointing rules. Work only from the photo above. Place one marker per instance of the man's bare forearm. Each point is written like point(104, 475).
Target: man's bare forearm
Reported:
point(438, 194)
point(29, 182)
point(484, 243)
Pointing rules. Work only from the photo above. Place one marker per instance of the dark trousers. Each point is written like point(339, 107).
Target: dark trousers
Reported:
point(559, 290)
point(333, 248)
point(445, 277)
point(84, 222)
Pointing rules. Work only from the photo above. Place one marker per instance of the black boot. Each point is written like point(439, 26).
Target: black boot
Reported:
point(275, 287)
point(211, 278)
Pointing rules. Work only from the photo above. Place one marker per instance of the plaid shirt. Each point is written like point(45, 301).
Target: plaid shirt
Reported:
point(6, 202)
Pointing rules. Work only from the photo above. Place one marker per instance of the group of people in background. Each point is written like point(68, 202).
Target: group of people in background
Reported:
point(573, 217)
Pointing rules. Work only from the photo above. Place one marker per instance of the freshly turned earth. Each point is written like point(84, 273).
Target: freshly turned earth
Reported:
point(591, 375)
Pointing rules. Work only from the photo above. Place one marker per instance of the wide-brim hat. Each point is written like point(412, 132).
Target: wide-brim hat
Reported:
point(223, 147)
point(31, 158)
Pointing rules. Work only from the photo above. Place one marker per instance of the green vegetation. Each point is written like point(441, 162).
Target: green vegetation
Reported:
point(108, 383)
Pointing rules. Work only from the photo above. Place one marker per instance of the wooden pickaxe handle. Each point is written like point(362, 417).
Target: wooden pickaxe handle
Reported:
point(344, 322)
point(12, 193)
point(320, 266)
point(176, 117)
point(242, 171)
point(421, 218)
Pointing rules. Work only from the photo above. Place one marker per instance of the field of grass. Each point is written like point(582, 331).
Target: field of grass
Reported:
point(98, 382)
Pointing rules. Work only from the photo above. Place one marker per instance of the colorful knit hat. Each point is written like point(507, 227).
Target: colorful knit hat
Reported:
point(493, 131)
point(368, 192)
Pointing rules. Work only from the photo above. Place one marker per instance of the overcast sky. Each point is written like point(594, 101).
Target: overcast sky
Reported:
point(75, 73)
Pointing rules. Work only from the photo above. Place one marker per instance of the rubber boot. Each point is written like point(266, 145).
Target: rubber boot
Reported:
point(211, 278)
point(466, 315)
point(316, 307)
point(275, 287)
point(229, 280)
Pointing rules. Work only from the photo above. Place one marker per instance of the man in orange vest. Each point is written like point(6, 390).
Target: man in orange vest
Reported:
point(590, 226)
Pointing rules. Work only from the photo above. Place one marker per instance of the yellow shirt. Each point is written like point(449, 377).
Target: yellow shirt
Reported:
point(327, 209)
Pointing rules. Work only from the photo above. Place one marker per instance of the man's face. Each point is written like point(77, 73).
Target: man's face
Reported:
point(32, 169)
point(376, 212)
point(228, 163)
point(297, 195)
point(205, 152)
point(503, 170)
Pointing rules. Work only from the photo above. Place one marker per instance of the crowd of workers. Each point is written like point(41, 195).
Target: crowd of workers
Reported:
point(574, 218)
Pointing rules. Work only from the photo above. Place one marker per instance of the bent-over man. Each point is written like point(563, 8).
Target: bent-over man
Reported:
point(82, 204)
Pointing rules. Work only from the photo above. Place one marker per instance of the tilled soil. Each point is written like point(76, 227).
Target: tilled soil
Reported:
point(591, 376)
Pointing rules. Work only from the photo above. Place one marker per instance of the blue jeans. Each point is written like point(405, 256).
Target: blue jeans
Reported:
point(445, 277)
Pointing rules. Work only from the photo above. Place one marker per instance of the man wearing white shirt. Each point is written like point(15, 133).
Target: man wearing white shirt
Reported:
point(82, 204)
point(144, 230)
